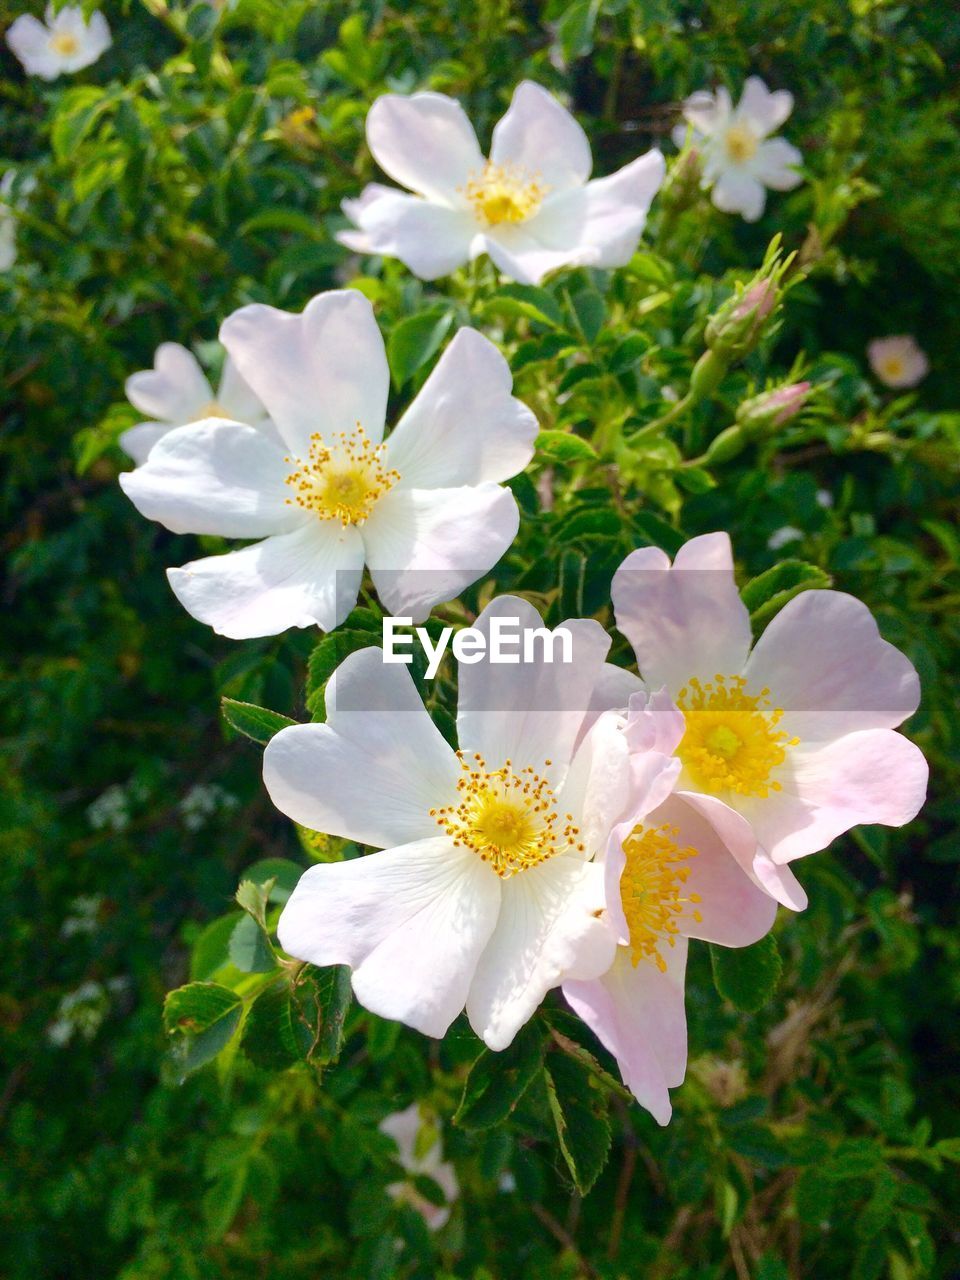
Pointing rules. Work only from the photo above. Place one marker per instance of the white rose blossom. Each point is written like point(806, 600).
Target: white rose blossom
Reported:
point(740, 159)
point(8, 215)
point(530, 206)
point(484, 895)
point(898, 361)
point(176, 392)
point(411, 1132)
point(425, 510)
point(60, 45)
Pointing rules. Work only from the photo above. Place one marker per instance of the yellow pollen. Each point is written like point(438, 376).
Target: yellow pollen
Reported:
point(64, 43)
point(212, 410)
point(731, 741)
point(892, 367)
point(343, 479)
point(508, 816)
point(504, 193)
point(741, 143)
point(652, 891)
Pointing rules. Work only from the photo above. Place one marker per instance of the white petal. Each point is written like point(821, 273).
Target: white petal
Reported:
point(548, 929)
point(827, 666)
point(30, 40)
point(465, 426)
point(139, 440)
point(541, 137)
point(430, 239)
point(175, 390)
point(597, 788)
point(638, 1013)
point(374, 771)
point(424, 142)
point(737, 191)
point(518, 252)
point(323, 370)
point(764, 110)
point(776, 163)
point(307, 578)
point(424, 546)
point(707, 111)
point(528, 712)
point(411, 923)
point(683, 621)
point(215, 477)
point(236, 398)
point(617, 209)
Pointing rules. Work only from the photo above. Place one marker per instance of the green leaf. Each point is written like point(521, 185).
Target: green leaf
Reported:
point(695, 480)
point(589, 309)
point(282, 873)
point(257, 723)
point(747, 976)
point(414, 341)
point(77, 113)
point(563, 446)
point(527, 301)
point(210, 951)
point(250, 948)
point(330, 992)
point(497, 1081)
point(202, 1018)
point(580, 1114)
point(766, 594)
point(575, 29)
point(276, 1033)
point(325, 659)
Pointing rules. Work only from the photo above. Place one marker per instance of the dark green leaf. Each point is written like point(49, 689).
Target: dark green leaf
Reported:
point(579, 1110)
point(766, 594)
point(253, 722)
point(414, 341)
point(202, 1018)
point(747, 976)
point(250, 948)
point(497, 1081)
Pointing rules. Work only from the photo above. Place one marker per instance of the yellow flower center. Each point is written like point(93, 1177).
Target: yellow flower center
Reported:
point(212, 410)
point(64, 43)
point(652, 891)
point(741, 143)
point(508, 816)
point(731, 741)
point(504, 193)
point(342, 480)
point(892, 368)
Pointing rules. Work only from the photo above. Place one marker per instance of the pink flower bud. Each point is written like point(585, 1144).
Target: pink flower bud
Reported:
point(771, 409)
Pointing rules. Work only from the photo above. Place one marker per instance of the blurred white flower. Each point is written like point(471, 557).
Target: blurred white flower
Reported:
point(80, 1013)
point(420, 1151)
point(110, 811)
point(64, 44)
point(898, 361)
point(202, 802)
point(8, 219)
point(176, 392)
point(83, 918)
point(781, 537)
point(740, 159)
point(824, 499)
point(530, 206)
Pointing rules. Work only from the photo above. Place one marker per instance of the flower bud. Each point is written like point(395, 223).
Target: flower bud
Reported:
point(725, 446)
point(771, 409)
point(736, 328)
point(682, 187)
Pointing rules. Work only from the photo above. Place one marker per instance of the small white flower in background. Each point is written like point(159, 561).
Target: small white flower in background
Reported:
point(203, 802)
point(65, 43)
point(898, 361)
point(782, 537)
point(79, 1013)
point(485, 895)
point(740, 159)
point(824, 499)
point(426, 510)
point(420, 1151)
point(176, 392)
point(111, 810)
point(8, 217)
point(530, 206)
point(84, 916)
point(669, 877)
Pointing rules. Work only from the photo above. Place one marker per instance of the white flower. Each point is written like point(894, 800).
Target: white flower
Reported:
point(740, 159)
point(8, 218)
point(898, 361)
point(425, 510)
point(176, 392)
point(420, 1152)
point(530, 206)
point(783, 537)
point(65, 44)
point(484, 895)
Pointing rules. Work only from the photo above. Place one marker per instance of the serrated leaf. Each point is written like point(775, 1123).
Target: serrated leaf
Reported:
point(414, 341)
point(497, 1081)
point(202, 1018)
point(766, 594)
point(276, 1033)
point(325, 659)
point(257, 723)
point(250, 948)
point(579, 1110)
point(747, 976)
point(331, 993)
point(564, 446)
point(282, 874)
point(253, 896)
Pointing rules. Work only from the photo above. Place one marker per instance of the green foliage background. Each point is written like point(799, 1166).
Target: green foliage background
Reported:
point(200, 165)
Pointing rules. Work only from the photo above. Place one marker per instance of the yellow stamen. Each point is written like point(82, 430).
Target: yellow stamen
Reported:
point(65, 43)
point(741, 143)
point(212, 410)
point(731, 741)
point(508, 816)
point(652, 891)
point(504, 193)
point(892, 368)
point(342, 480)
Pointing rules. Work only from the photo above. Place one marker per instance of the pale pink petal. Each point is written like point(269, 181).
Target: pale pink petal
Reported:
point(707, 111)
point(683, 621)
point(737, 191)
point(617, 209)
point(541, 138)
point(597, 788)
point(827, 666)
point(426, 143)
point(411, 922)
point(638, 1014)
point(425, 546)
point(374, 771)
point(307, 578)
point(215, 477)
point(764, 110)
point(29, 40)
point(236, 397)
point(465, 426)
point(776, 165)
point(175, 390)
point(431, 240)
point(548, 929)
point(139, 440)
point(324, 370)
